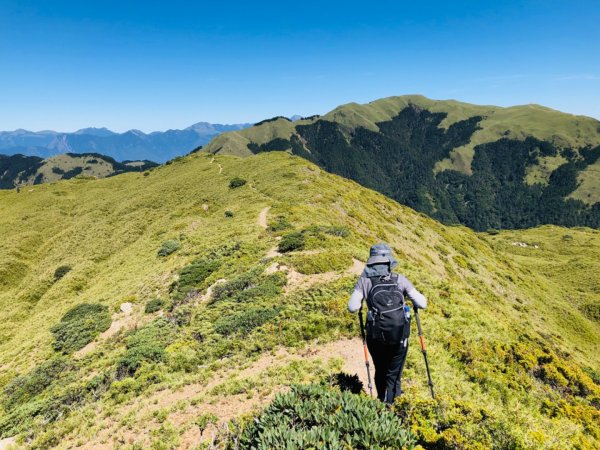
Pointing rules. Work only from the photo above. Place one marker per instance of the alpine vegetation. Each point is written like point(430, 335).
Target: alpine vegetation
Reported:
point(235, 336)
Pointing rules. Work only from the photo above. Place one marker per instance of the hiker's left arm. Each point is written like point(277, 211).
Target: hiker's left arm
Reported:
point(418, 299)
point(355, 302)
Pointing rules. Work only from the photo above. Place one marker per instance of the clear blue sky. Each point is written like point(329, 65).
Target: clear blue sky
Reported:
point(155, 65)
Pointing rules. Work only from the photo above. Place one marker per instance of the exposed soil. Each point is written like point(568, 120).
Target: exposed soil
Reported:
point(225, 408)
point(262, 217)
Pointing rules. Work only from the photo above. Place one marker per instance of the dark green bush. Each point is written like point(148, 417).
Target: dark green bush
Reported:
point(280, 223)
point(229, 213)
point(340, 231)
point(319, 417)
point(591, 311)
point(291, 241)
point(23, 388)
point(333, 230)
point(61, 271)
point(492, 231)
point(248, 286)
point(80, 326)
point(154, 305)
point(146, 344)
point(234, 287)
point(168, 247)
point(24, 417)
point(192, 276)
point(237, 182)
point(242, 323)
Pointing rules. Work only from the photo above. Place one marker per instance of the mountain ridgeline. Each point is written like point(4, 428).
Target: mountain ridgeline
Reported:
point(131, 145)
point(20, 170)
point(484, 167)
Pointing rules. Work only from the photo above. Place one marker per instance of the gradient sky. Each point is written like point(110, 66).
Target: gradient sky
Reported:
point(154, 65)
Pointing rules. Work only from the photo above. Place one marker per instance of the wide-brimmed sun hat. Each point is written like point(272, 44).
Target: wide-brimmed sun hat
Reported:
point(381, 253)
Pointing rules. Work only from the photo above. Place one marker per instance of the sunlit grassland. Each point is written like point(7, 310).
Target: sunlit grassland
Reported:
point(510, 328)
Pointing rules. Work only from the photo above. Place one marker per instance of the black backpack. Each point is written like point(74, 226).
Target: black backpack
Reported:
point(387, 322)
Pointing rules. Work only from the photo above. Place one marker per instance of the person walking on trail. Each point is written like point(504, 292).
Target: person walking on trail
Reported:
point(388, 317)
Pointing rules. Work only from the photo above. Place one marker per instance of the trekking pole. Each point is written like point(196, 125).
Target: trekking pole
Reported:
point(424, 351)
point(364, 340)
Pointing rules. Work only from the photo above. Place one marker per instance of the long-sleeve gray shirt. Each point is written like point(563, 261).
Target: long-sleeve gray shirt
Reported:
point(363, 286)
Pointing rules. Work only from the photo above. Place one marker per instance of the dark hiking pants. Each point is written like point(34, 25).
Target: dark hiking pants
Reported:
point(389, 362)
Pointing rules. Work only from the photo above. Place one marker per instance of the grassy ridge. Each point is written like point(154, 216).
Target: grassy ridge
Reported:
point(513, 330)
point(560, 129)
point(515, 122)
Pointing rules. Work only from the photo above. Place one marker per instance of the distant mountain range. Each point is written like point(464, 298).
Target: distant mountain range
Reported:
point(157, 146)
point(486, 167)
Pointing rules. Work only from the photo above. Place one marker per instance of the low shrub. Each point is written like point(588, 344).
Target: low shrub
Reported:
point(319, 417)
point(154, 305)
point(591, 311)
point(184, 356)
point(280, 223)
point(340, 231)
point(145, 344)
point(206, 419)
point(168, 247)
point(229, 214)
point(236, 182)
point(333, 230)
point(193, 275)
point(291, 241)
point(250, 285)
point(449, 424)
point(21, 389)
point(80, 326)
point(61, 271)
point(242, 323)
point(321, 262)
point(44, 409)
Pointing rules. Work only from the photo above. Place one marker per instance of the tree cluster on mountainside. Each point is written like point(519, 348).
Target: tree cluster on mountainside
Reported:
point(18, 170)
point(399, 161)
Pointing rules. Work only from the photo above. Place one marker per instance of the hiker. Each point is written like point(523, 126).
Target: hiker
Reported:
point(386, 334)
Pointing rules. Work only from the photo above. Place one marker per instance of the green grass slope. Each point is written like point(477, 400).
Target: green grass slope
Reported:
point(192, 316)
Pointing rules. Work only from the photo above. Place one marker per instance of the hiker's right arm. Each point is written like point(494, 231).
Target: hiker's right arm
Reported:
point(418, 299)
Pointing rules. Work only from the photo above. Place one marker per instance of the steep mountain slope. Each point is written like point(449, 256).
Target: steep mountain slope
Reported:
point(482, 166)
point(131, 145)
point(19, 170)
point(512, 325)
